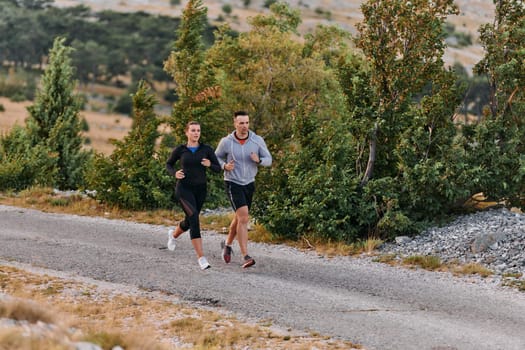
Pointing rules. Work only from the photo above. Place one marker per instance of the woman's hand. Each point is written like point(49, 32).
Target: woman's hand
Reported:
point(179, 175)
point(206, 162)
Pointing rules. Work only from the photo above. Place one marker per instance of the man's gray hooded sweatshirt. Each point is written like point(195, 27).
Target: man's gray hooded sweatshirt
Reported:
point(245, 168)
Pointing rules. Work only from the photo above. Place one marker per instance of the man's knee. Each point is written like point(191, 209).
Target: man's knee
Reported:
point(242, 215)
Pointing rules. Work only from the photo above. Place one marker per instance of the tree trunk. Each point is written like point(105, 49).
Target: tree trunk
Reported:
point(371, 157)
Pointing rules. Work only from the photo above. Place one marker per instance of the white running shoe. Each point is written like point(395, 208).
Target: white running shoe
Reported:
point(203, 263)
point(172, 242)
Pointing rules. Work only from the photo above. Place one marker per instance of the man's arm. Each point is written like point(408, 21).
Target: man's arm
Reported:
point(264, 154)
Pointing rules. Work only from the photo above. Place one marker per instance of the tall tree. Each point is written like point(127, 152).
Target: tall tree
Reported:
point(134, 175)
point(195, 85)
point(54, 118)
point(403, 42)
point(266, 72)
point(498, 142)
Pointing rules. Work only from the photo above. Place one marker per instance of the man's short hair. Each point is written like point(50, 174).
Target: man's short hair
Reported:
point(238, 113)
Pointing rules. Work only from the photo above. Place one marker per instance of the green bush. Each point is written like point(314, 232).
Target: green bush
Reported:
point(134, 175)
point(124, 104)
point(23, 165)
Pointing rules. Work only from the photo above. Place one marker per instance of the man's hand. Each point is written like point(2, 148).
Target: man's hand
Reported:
point(255, 158)
point(229, 166)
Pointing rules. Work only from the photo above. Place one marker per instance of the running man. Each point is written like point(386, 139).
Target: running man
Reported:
point(239, 154)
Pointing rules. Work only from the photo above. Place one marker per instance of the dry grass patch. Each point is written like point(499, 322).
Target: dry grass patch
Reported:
point(45, 199)
point(16, 339)
point(434, 263)
point(472, 269)
point(135, 319)
point(427, 262)
point(20, 310)
point(321, 246)
point(513, 283)
point(217, 222)
point(335, 248)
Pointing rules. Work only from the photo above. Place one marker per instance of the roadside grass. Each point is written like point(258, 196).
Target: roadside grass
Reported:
point(134, 319)
point(16, 339)
point(434, 263)
point(514, 280)
point(45, 199)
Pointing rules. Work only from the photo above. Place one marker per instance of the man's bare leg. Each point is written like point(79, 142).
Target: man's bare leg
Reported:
point(232, 231)
point(242, 217)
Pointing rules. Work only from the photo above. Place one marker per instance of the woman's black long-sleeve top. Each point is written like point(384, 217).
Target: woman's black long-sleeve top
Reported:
point(194, 171)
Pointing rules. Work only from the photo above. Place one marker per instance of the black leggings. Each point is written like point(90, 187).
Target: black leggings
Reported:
point(191, 200)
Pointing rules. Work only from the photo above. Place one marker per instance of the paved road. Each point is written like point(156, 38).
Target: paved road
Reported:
point(375, 305)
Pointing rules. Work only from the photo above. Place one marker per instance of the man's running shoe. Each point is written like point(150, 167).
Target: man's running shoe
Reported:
point(248, 261)
point(203, 263)
point(172, 242)
point(226, 252)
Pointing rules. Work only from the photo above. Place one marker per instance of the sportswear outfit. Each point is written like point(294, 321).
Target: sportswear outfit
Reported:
point(240, 182)
point(191, 191)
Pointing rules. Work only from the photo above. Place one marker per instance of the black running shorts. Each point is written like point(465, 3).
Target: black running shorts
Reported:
point(239, 195)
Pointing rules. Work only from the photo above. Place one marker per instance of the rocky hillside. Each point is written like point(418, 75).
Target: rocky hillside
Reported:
point(344, 13)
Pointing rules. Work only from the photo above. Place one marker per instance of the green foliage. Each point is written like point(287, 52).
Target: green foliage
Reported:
point(53, 119)
point(124, 104)
point(134, 175)
point(264, 72)
point(227, 9)
point(403, 43)
point(363, 143)
point(497, 144)
point(23, 165)
point(283, 18)
point(311, 189)
point(47, 152)
point(196, 89)
point(104, 48)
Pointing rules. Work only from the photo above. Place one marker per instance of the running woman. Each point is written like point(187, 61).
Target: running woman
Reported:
point(191, 188)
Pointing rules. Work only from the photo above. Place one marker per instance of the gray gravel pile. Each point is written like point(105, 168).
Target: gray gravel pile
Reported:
point(493, 238)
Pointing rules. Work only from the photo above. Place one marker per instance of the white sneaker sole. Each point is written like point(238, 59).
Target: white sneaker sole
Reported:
point(172, 242)
point(203, 263)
